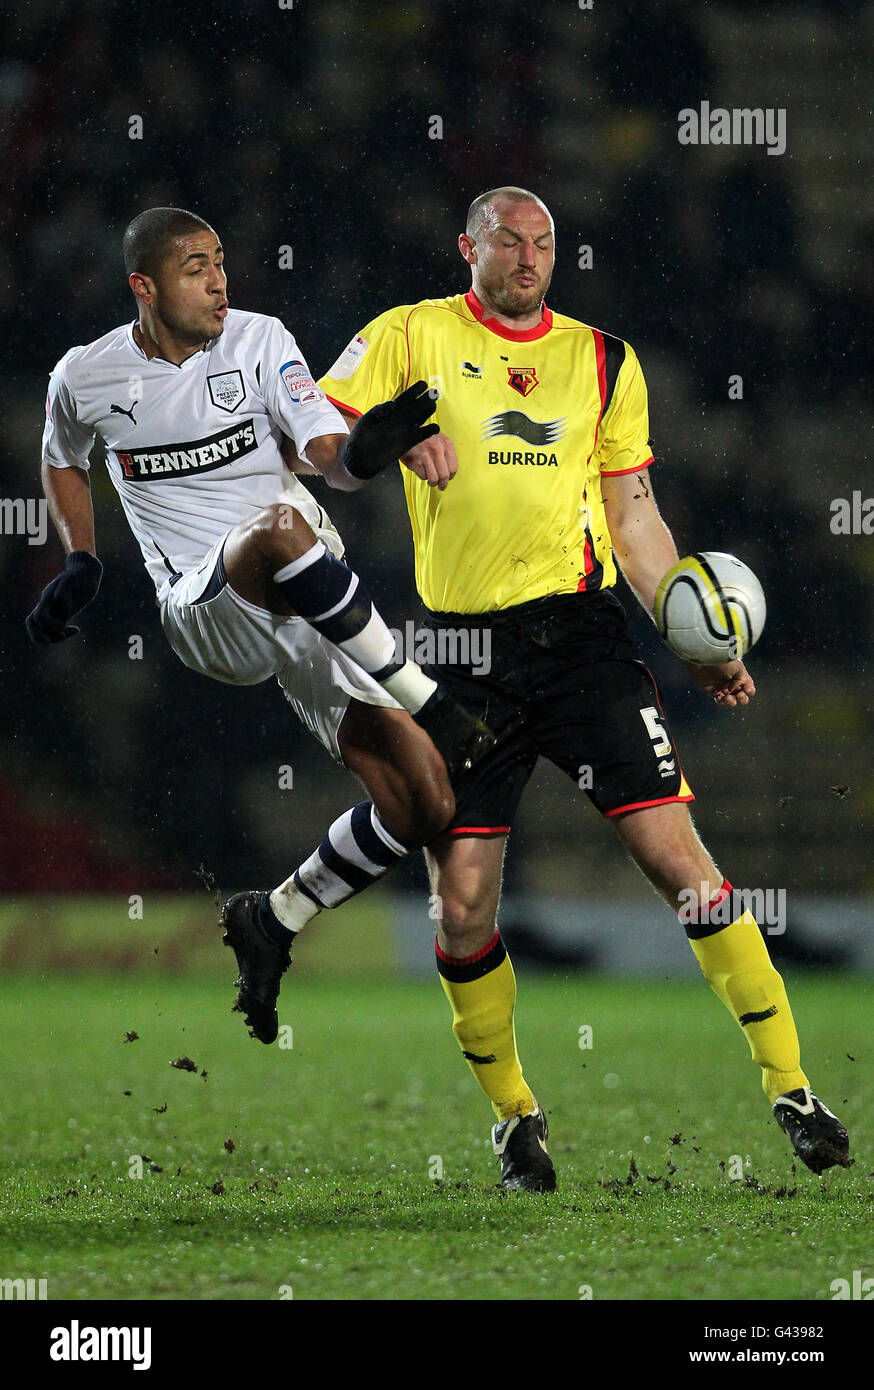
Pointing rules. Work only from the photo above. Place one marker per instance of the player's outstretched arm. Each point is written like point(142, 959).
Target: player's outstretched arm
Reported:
point(645, 551)
point(388, 431)
point(643, 545)
point(434, 460)
point(68, 493)
point(377, 439)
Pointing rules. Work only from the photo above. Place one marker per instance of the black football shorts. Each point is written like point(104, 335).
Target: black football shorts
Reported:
point(564, 670)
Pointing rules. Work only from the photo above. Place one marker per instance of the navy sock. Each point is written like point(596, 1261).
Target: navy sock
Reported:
point(333, 600)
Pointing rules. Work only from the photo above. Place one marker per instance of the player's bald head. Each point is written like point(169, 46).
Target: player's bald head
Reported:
point(149, 238)
point(484, 211)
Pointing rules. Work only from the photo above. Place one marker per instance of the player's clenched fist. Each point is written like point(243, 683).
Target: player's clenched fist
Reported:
point(435, 461)
point(66, 594)
point(389, 430)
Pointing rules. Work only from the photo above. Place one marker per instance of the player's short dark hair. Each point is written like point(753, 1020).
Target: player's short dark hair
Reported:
point(476, 213)
point(147, 238)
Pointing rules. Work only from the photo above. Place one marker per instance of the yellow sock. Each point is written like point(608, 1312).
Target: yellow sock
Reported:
point(735, 962)
point(482, 992)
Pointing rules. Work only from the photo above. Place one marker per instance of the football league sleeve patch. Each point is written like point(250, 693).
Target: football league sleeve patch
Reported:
point(292, 397)
point(373, 367)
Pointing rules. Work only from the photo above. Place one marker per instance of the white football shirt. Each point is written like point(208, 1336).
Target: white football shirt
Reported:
point(192, 450)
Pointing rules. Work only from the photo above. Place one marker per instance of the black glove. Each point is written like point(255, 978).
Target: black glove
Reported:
point(63, 596)
point(389, 430)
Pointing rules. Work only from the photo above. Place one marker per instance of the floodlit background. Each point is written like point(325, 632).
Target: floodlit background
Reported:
point(308, 126)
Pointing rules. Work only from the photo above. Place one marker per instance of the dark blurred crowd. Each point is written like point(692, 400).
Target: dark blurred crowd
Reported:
point(309, 125)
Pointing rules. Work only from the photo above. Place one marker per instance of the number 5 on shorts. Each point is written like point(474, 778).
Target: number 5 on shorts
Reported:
point(650, 717)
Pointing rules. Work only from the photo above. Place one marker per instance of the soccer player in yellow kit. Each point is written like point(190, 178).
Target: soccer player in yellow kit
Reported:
point(520, 508)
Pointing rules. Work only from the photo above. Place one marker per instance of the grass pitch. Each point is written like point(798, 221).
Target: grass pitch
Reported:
point(306, 1171)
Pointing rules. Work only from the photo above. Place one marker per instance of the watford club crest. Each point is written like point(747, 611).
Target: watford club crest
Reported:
point(522, 379)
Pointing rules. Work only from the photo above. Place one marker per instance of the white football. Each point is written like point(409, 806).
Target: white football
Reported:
point(710, 608)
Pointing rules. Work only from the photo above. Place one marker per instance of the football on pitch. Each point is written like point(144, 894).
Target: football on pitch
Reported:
point(710, 608)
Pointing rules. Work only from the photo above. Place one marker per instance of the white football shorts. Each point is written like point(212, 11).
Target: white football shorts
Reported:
point(219, 634)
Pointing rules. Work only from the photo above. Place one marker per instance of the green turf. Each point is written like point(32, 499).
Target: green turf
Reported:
point(327, 1190)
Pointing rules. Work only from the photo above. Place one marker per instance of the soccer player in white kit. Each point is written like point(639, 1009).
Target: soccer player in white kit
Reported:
point(194, 403)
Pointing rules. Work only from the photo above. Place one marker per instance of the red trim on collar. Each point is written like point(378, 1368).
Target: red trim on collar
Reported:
point(511, 334)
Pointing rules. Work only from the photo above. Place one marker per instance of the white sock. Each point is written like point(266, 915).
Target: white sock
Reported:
point(293, 908)
point(410, 687)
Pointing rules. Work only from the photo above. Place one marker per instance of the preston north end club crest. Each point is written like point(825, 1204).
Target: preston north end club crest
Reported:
point(226, 390)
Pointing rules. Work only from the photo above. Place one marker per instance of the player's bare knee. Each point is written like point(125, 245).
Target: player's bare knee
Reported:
point(283, 533)
point(462, 921)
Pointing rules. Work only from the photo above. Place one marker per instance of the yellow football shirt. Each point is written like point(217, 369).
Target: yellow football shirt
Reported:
point(536, 417)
